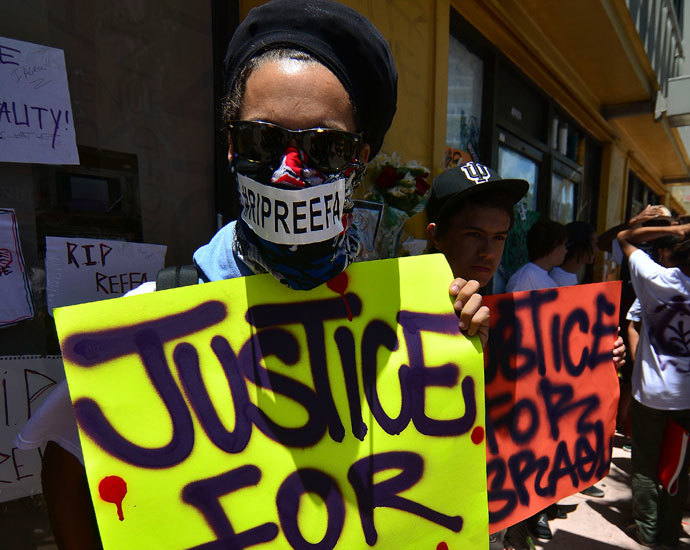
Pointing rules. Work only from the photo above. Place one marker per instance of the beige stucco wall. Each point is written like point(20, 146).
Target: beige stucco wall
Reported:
point(613, 187)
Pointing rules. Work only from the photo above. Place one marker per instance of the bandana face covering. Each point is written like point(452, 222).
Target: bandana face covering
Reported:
point(295, 222)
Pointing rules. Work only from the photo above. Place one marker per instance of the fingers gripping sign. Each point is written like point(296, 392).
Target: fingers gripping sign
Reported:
point(467, 303)
point(619, 352)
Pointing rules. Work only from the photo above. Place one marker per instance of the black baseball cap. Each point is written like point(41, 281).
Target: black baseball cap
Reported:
point(470, 179)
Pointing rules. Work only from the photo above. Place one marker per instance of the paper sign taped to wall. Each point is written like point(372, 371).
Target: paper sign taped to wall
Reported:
point(16, 303)
point(86, 270)
point(36, 117)
point(245, 412)
point(25, 381)
point(551, 396)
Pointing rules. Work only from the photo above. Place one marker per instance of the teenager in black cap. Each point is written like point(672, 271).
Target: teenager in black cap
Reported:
point(312, 90)
point(470, 211)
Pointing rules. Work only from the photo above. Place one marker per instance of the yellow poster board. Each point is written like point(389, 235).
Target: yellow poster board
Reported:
point(242, 414)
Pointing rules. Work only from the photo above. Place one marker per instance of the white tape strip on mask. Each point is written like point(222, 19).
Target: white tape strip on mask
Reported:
point(293, 216)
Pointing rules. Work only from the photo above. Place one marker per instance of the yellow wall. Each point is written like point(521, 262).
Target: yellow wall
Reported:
point(613, 189)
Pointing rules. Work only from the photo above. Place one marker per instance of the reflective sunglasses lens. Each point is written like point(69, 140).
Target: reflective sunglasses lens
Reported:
point(330, 150)
point(242, 140)
point(258, 143)
point(272, 142)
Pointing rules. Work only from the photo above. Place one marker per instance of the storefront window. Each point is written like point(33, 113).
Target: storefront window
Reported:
point(465, 82)
point(562, 207)
point(512, 164)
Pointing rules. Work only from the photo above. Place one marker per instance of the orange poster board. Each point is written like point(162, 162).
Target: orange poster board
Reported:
point(551, 396)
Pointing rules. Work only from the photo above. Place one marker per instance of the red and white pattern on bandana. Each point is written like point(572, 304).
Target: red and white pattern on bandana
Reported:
point(294, 170)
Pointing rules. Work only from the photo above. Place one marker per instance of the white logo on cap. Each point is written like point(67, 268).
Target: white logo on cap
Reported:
point(478, 173)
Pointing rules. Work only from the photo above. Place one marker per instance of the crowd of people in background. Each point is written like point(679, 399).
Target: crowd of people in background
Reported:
point(469, 224)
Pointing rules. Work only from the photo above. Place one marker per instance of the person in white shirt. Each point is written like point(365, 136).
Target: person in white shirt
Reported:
point(662, 250)
point(546, 248)
point(661, 377)
point(581, 250)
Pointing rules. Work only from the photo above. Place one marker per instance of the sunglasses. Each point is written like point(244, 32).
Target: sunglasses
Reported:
point(329, 150)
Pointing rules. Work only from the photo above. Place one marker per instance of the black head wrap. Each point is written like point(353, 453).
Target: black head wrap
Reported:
point(340, 38)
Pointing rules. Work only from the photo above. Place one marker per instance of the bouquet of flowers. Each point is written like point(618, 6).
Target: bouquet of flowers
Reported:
point(403, 190)
point(401, 186)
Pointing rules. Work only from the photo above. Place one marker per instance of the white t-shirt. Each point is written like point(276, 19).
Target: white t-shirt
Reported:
point(54, 420)
point(635, 312)
point(563, 277)
point(530, 277)
point(661, 376)
point(617, 252)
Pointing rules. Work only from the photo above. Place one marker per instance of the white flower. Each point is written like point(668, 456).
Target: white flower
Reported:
point(407, 180)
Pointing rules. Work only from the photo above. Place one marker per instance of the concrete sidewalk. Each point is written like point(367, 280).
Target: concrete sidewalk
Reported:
point(599, 523)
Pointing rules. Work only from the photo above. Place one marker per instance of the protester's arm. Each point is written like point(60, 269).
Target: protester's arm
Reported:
point(633, 338)
point(630, 237)
point(467, 302)
point(68, 500)
point(650, 212)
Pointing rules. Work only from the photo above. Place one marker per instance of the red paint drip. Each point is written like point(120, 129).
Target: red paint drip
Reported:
point(441, 546)
point(339, 284)
point(113, 489)
point(477, 435)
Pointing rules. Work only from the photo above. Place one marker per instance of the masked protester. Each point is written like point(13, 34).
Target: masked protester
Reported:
point(312, 90)
point(311, 93)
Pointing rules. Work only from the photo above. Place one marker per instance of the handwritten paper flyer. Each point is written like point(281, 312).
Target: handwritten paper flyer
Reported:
point(36, 118)
point(16, 304)
point(86, 270)
point(25, 382)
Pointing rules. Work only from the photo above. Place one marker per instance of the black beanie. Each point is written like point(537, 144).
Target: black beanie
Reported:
point(340, 38)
